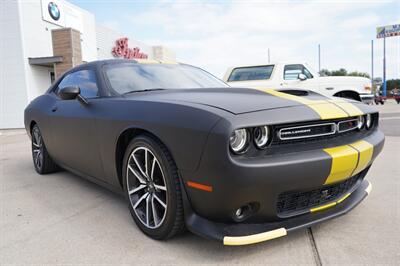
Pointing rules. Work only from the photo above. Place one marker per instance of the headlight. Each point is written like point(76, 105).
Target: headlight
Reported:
point(239, 140)
point(360, 122)
point(261, 136)
point(368, 121)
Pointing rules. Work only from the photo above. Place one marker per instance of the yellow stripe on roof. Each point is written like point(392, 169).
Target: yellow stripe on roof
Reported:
point(147, 61)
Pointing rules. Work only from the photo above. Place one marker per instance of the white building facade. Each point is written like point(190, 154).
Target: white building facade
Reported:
point(27, 59)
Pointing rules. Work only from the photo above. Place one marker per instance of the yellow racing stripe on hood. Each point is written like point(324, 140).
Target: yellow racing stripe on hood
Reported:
point(324, 108)
point(350, 108)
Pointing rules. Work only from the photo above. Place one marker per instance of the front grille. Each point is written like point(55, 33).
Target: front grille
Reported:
point(347, 125)
point(298, 202)
point(317, 131)
point(308, 131)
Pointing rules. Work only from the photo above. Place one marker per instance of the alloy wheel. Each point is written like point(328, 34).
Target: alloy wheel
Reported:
point(37, 148)
point(147, 190)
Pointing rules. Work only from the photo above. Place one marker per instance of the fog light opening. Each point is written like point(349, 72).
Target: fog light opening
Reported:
point(240, 213)
point(245, 212)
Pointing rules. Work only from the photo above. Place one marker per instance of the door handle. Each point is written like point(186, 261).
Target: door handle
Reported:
point(54, 109)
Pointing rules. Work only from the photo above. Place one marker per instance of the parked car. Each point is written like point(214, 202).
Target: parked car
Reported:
point(379, 99)
point(299, 75)
point(236, 165)
point(396, 96)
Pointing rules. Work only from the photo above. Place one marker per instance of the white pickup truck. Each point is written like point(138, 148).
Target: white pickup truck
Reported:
point(299, 76)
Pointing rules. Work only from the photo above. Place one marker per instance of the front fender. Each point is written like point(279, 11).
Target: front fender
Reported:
point(183, 129)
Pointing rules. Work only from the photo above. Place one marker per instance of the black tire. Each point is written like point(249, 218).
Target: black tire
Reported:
point(172, 223)
point(41, 158)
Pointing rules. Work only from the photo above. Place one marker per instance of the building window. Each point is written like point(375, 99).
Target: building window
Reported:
point(52, 77)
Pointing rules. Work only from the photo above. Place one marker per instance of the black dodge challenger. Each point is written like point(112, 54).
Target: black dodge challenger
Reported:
point(237, 165)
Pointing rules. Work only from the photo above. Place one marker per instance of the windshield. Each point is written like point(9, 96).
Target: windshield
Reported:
point(251, 73)
point(127, 78)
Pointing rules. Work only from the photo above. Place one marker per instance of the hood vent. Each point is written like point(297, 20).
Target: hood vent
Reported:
point(296, 92)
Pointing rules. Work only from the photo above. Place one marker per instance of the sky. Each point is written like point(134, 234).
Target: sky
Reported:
point(218, 34)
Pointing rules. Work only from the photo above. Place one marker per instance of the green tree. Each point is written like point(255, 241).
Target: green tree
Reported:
point(390, 85)
point(340, 72)
point(359, 74)
point(343, 72)
point(325, 72)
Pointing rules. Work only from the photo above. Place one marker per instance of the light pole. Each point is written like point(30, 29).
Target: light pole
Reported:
point(383, 32)
point(319, 58)
point(384, 66)
point(372, 65)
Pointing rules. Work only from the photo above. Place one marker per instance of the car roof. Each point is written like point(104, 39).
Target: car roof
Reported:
point(116, 61)
point(271, 63)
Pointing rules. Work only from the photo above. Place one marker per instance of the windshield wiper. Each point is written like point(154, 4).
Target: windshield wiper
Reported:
point(134, 91)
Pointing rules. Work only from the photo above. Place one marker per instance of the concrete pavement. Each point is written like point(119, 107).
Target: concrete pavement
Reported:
point(63, 219)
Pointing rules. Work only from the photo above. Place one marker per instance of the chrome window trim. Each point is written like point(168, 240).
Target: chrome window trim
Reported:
point(341, 122)
point(333, 131)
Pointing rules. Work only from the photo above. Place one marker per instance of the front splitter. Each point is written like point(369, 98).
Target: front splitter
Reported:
point(245, 234)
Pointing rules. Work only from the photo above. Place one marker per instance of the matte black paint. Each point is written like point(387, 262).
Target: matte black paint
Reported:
point(195, 126)
point(212, 230)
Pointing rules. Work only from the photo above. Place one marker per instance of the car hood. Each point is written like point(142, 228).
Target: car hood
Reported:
point(346, 80)
point(233, 100)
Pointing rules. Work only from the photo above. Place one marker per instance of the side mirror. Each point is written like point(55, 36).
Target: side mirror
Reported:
point(302, 77)
point(69, 92)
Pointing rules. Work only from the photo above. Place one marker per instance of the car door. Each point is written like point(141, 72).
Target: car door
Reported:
point(74, 140)
point(291, 78)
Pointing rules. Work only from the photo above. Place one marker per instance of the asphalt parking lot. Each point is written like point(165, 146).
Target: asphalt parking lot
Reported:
point(63, 219)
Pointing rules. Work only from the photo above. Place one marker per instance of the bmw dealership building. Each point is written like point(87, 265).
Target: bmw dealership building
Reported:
point(41, 39)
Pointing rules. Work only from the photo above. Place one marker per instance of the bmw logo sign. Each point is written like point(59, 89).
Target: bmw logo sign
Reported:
point(54, 11)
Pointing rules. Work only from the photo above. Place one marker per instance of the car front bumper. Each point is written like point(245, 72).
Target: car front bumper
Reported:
point(232, 183)
point(245, 234)
point(367, 98)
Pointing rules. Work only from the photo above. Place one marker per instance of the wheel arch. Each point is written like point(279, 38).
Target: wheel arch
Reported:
point(122, 143)
point(31, 125)
point(348, 94)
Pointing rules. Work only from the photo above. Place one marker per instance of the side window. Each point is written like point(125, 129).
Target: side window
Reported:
point(307, 73)
point(291, 72)
point(85, 79)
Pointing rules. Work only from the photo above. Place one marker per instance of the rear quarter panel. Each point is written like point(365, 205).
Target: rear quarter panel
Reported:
point(36, 111)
